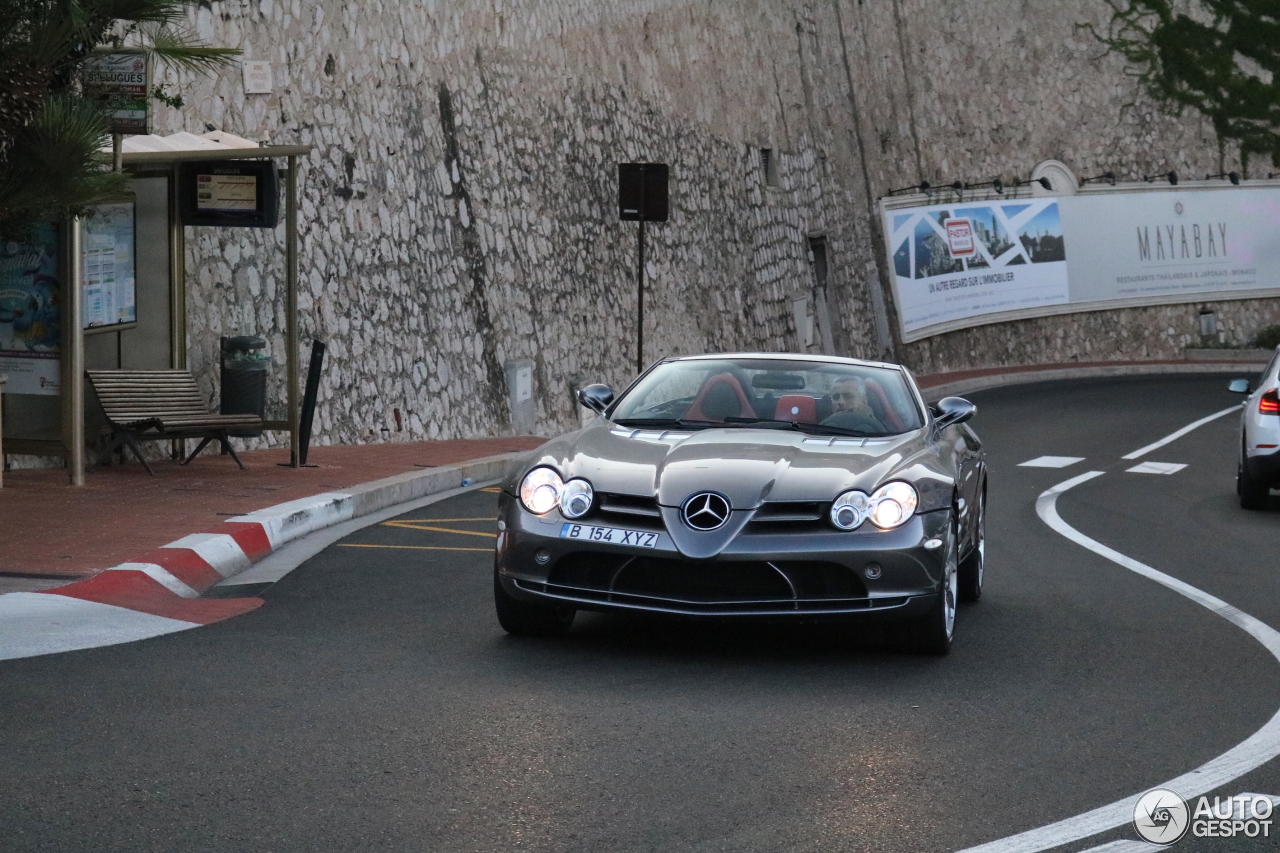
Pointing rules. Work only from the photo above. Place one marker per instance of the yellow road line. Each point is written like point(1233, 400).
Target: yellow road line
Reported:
point(396, 521)
point(411, 526)
point(492, 490)
point(414, 547)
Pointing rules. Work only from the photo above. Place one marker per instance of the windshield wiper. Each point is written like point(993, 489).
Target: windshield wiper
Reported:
point(670, 423)
point(803, 426)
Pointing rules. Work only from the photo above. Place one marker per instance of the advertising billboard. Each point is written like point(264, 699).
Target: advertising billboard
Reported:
point(30, 316)
point(967, 263)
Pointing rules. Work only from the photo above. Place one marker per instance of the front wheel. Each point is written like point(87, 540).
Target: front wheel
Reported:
point(530, 618)
point(931, 633)
point(1254, 493)
point(973, 565)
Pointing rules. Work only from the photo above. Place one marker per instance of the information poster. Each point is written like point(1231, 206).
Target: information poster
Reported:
point(108, 266)
point(963, 264)
point(30, 316)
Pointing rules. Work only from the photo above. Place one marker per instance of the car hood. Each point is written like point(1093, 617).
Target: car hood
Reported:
point(748, 466)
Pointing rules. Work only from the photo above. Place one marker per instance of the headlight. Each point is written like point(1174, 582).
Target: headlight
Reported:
point(576, 498)
point(892, 505)
point(849, 510)
point(540, 490)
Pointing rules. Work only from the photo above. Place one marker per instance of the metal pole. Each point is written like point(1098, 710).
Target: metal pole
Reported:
point(291, 319)
point(117, 152)
point(177, 296)
point(640, 304)
point(75, 360)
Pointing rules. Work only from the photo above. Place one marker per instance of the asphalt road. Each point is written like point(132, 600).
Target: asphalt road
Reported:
point(373, 703)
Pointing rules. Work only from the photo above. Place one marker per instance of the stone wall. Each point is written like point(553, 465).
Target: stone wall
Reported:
point(459, 209)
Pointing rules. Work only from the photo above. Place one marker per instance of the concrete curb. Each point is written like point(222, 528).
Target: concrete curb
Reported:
point(937, 390)
point(169, 580)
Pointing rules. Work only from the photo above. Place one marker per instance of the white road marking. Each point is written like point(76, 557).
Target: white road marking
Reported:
point(1156, 468)
point(1174, 436)
point(1254, 751)
point(1051, 462)
point(37, 623)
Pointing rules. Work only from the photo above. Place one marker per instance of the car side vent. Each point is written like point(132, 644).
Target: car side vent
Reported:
point(629, 504)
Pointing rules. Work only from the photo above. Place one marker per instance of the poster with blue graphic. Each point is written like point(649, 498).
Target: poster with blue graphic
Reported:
point(954, 262)
point(30, 315)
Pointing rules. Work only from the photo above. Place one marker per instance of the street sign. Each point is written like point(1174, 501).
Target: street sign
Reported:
point(642, 191)
point(643, 197)
point(120, 82)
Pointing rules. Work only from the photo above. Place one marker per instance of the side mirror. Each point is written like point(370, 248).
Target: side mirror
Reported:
point(596, 397)
point(953, 410)
point(1239, 386)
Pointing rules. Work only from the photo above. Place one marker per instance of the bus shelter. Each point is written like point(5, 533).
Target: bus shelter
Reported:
point(44, 404)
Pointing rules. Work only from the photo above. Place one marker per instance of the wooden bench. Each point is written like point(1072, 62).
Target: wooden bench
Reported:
point(150, 405)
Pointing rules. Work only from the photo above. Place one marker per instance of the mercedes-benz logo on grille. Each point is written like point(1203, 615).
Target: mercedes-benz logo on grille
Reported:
point(705, 511)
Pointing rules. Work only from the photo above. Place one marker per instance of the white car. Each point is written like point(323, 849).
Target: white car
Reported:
point(1259, 469)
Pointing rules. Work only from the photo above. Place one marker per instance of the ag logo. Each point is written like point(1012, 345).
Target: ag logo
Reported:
point(1161, 816)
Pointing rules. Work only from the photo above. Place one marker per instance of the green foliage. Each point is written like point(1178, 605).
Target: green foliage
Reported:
point(1267, 338)
point(1220, 57)
point(49, 136)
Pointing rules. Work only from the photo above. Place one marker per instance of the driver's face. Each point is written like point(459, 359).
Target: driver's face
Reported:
point(847, 395)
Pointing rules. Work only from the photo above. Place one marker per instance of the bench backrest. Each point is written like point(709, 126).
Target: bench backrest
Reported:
point(129, 396)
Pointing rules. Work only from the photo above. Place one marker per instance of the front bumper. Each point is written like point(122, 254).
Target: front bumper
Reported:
point(812, 572)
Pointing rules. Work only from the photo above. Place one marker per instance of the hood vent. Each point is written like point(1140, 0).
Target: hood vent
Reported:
point(790, 517)
point(616, 504)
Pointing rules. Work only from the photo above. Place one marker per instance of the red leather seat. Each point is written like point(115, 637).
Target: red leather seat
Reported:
point(879, 402)
point(796, 408)
point(720, 397)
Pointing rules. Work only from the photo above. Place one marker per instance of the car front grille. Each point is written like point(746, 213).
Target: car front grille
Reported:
point(709, 587)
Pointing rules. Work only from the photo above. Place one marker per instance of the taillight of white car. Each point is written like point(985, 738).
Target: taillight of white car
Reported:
point(1269, 402)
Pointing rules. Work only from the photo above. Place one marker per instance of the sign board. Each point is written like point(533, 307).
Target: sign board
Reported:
point(30, 317)
point(108, 264)
point(642, 191)
point(1050, 255)
point(243, 193)
point(257, 77)
point(120, 82)
point(960, 238)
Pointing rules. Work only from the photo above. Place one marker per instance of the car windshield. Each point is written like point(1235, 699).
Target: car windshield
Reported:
point(826, 398)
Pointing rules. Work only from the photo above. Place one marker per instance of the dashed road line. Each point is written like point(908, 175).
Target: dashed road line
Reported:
point(1156, 468)
point(1174, 436)
point(1051, 462)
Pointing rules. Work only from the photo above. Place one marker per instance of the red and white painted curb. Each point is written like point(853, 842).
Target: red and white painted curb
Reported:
point(159, 591)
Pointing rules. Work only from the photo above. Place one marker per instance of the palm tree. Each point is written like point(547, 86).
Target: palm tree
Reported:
point(50, 136)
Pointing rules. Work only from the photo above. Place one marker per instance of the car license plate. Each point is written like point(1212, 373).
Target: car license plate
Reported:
point(612, 535)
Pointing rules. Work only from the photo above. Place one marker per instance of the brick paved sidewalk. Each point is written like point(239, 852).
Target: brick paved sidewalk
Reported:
point(58, 533)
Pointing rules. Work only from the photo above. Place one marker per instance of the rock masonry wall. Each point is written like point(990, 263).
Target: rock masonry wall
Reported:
point(459, 209)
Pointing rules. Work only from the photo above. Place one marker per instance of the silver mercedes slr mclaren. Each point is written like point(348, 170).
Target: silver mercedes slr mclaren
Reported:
point(750, 485)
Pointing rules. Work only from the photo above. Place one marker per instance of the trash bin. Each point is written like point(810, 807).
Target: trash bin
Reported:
point(244, 379)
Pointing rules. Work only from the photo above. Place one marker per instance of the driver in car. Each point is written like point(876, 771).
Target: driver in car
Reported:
point(849, 407)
